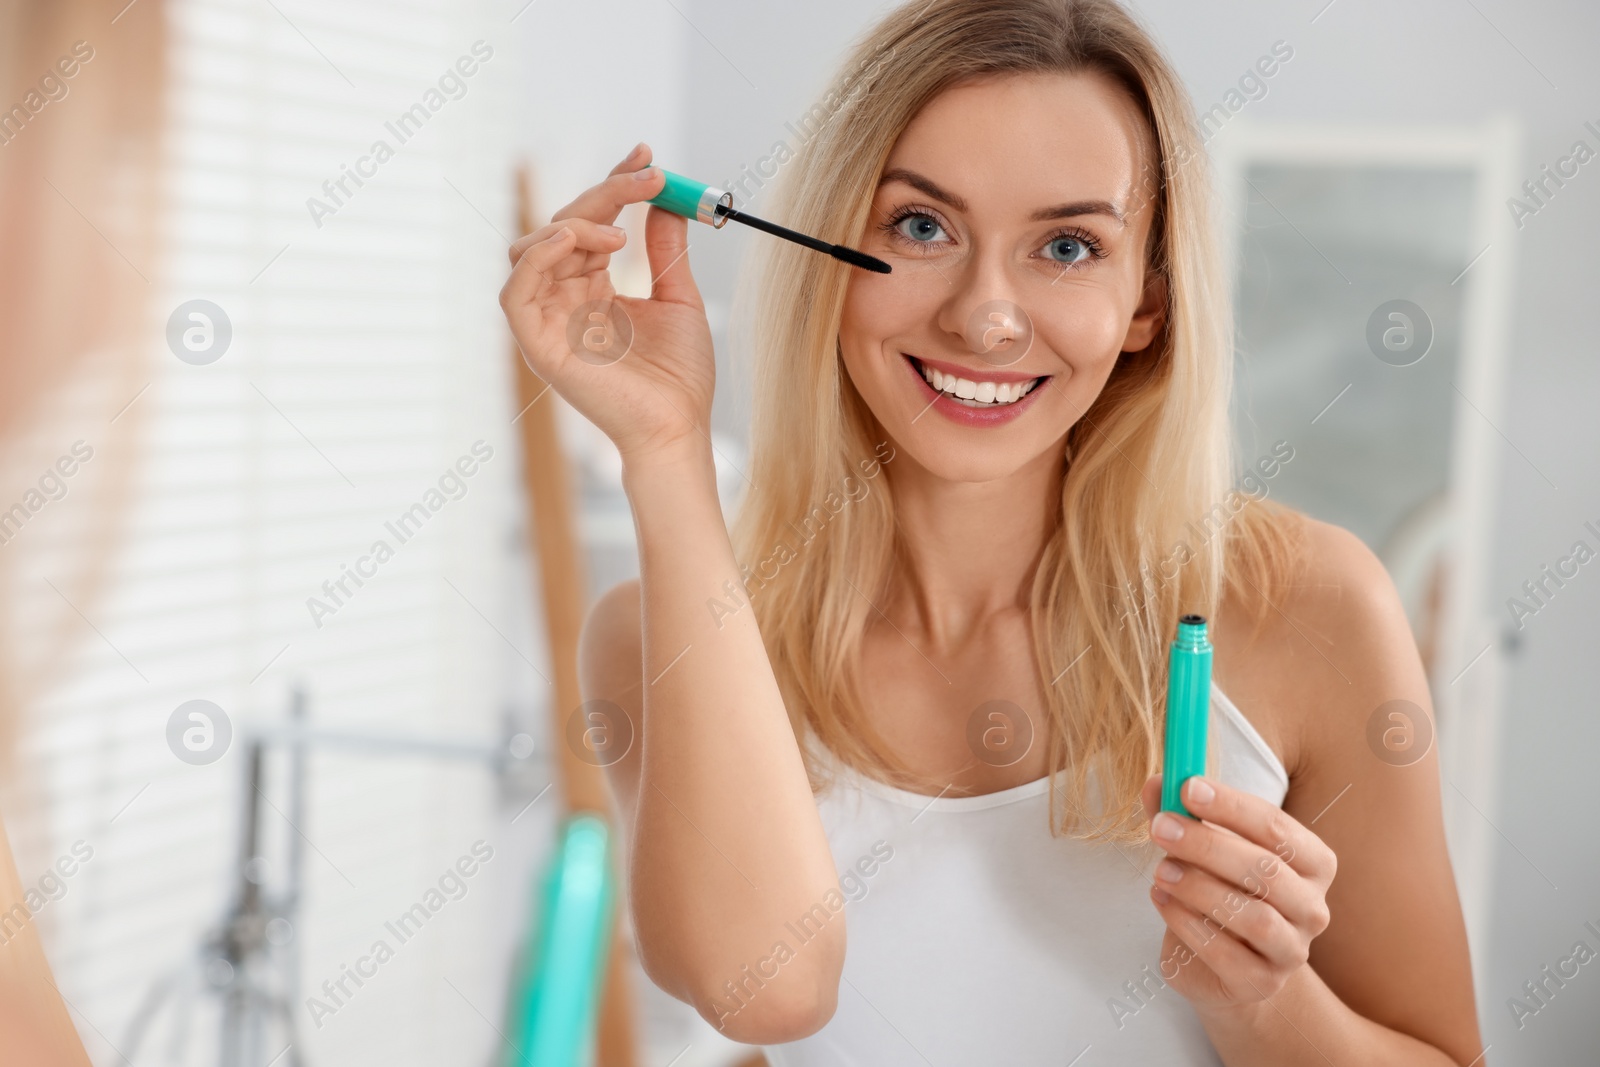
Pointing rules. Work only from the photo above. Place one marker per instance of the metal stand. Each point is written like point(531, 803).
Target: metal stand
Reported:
point(251, 960)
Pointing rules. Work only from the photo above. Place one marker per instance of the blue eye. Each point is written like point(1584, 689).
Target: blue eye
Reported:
point(921, 227)
point(1068, 249)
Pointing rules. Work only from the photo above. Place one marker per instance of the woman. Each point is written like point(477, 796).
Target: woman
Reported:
point(985, 486)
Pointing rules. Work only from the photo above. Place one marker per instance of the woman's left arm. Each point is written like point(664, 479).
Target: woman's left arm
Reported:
point(1285, 963)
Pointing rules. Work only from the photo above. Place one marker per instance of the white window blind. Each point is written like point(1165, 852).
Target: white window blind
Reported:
point(368, 355)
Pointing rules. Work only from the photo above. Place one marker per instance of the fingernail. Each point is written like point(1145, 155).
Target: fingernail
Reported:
point(1168, 871)
point(636, 150)
point(614, 231)
point(1167, 826)
point(1161, 895)
point(645, 175)
point(1200, 790)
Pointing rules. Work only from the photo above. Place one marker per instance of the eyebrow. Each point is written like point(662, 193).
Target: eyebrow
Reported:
point(1058, 211)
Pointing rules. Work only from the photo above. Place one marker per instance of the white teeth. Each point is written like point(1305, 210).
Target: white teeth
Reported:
point(977, 394)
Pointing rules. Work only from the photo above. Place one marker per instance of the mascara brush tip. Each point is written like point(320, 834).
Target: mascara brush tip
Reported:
point(861, 259)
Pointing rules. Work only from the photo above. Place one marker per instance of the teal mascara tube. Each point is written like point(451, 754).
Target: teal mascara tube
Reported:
point(1188, 710)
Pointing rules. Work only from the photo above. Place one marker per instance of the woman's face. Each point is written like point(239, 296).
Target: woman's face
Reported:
point(1014, 212)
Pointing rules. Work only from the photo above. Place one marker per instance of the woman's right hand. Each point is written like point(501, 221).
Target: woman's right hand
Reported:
point(642, 370)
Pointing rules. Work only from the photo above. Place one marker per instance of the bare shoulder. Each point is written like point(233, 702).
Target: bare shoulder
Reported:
point(1306, 656)
point(611, 677)
point(1340, 586)
point(611, 642)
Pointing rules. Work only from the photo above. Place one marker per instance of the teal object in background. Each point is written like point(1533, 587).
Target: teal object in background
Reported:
point(692, 199)
point(1188, 710)
point(560, 1004)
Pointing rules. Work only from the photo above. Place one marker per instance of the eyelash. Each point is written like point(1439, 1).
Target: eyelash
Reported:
point(891, 227)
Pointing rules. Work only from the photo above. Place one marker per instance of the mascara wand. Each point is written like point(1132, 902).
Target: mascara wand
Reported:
point(708, 204)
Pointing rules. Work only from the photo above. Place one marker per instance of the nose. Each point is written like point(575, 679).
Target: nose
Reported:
point(980, 312)
point(999, 332)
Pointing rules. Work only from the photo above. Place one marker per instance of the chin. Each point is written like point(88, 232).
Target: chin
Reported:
point(967, 467)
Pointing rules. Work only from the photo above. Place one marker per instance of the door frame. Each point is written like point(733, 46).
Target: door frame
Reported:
point(1468, 679)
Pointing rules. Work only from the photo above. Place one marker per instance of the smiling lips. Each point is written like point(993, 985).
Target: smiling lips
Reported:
point(975, 397)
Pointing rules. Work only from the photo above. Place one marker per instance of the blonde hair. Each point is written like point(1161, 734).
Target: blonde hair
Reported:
point(1139, 541)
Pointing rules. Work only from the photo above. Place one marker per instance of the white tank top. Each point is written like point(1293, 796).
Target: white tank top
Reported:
point(974, 937)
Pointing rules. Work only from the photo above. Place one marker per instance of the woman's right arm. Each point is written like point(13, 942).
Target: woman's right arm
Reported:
point(724, 844)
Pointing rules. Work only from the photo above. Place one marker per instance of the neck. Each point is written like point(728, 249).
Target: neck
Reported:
point(970, 548)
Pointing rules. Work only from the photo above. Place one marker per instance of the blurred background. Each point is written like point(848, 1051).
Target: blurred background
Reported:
point(250, 253)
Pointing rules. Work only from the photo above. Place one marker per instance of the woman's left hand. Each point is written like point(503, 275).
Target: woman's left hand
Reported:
point(1250, 894)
